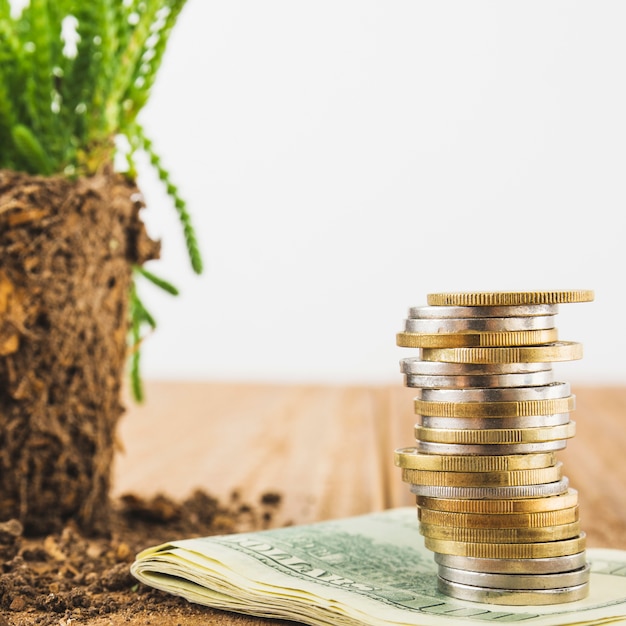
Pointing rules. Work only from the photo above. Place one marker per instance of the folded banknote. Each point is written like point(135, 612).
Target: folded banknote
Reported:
point(369, 570)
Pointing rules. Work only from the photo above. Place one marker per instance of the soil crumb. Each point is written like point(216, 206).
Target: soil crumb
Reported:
point(67, 579)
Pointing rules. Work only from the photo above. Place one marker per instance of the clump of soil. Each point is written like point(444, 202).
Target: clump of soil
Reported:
point(67, 248)
point(67, 578)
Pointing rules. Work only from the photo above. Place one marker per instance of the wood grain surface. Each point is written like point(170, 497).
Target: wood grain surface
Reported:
point(329, 449)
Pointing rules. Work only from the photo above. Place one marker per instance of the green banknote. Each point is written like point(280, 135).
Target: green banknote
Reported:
point(368, 570)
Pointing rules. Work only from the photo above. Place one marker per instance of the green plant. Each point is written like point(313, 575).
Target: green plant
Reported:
point(74, 75)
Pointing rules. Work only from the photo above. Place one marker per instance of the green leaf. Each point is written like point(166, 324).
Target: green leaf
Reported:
point(159, 282)
point(152, 56)
point(31, 150)
point(115, 106)
point(8, 118)
point(136, 383)
point(145, 316)
point(189, 232)
point(82, 73)
point(138, 316)
point(39, 83)
point(12, 85)
point(106, 52)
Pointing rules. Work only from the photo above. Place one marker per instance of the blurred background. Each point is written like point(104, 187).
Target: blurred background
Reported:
point(342, 159)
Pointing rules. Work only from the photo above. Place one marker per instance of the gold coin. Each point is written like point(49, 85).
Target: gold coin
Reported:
point(483, 479)
point(500, 507)
point(477, 339)
point(496, 435)
point(557, 351)
point(501, 535)
point(509, 298)
point(410, 458)
point(539, 550)
point(513, 408)
point(506, 520)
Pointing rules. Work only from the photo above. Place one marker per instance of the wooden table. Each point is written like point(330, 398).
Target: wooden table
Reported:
point(329, 449)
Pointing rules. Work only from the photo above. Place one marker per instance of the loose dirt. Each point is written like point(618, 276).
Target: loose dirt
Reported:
point(67, 579)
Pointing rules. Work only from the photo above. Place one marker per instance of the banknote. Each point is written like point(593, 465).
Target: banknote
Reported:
point(368, 570)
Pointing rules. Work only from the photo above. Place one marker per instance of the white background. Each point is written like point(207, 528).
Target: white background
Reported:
point(342, 159)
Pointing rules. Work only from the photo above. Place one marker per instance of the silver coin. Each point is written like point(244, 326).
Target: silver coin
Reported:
point(525, 379)
point(492, 493)
point(549, 565)
point(522, 310)
point(516, 581)
point(416, 365)
point(473, 423)
point(430, 447)
point(432, 326)
point(498, 394)
point(515, 597)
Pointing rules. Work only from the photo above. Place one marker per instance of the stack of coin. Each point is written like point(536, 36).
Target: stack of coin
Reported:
point(493, 503)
